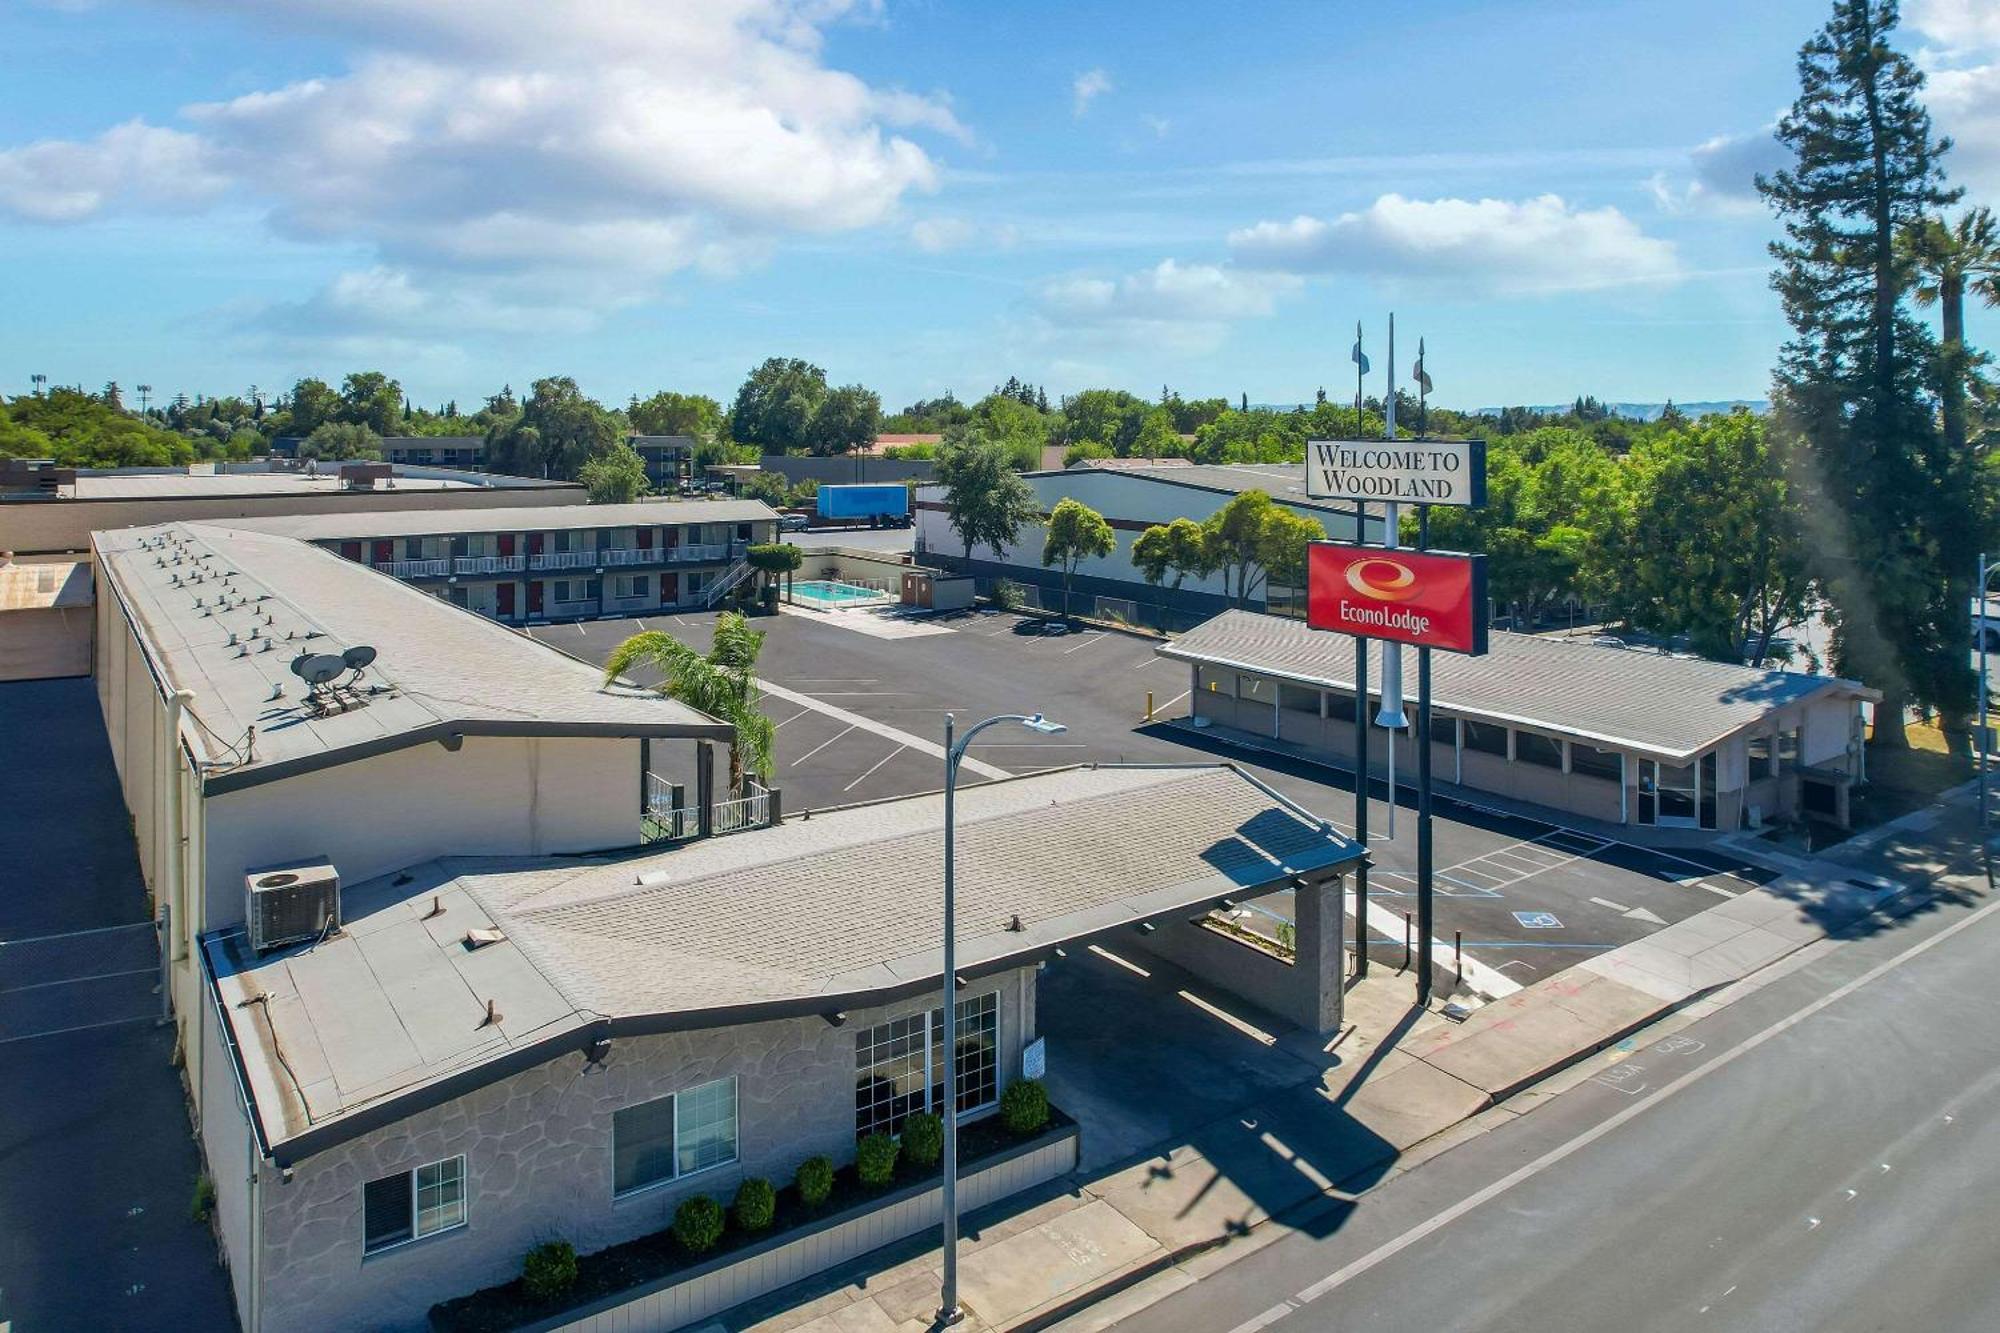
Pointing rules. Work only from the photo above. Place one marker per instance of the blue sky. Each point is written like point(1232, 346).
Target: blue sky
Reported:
point(920, 195)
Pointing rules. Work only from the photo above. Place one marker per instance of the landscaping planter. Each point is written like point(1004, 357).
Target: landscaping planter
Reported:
point(650, 1285)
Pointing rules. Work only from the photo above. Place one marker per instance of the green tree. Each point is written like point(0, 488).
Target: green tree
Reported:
point(722, 684)
point(1175, 549)
point(370, 398)
point(1894, 532)
point(774, 409)
point(1076, 532)
point(338, 440)
point(985, 501)
point(1252, 540)
point(1952, 261)
point(1110, 419)
point(557, 431)
point(81, 430)
point(312, 404)
point(1672, 570)
point(668, 413)
point(775, 560)
point(848, 418)
point(616, 476)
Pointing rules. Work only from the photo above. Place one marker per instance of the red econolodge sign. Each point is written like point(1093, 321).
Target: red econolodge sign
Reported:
point(1425, 598)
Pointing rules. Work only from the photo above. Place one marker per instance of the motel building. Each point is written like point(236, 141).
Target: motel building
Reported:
point(1620, 737)
point(465, 951)
point(581, 562)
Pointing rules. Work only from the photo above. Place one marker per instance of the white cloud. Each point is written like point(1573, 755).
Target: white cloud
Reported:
point(530, 138)
point(1087, 87)
point(1962, 73)
point(1159, 125)
point(1957, 25)
point(1492, 245)
point(133, 164)
point(936, 236)
point(1724, 173)
point(1184, 307)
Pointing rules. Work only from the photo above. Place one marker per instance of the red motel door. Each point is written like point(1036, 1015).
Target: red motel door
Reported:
point(504, 605)
point(506, 543)
point(535, 597)
point(645, 539)
point(384, 552)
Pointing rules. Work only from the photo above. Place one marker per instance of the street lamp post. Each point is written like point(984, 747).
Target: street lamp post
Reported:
point(948, 1311)
point(1986, 569)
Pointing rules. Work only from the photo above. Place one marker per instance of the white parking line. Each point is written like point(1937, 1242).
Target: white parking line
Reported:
point(1088, 639)
point(877, 764)
point(1486, 981)
point(917, 743)
point(822, 745)
point(1171, 702)
point(793, 718)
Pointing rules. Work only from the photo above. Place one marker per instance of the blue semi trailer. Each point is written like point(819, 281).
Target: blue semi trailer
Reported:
point(886, 506)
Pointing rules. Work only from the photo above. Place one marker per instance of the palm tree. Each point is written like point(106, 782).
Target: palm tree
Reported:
point(1950, 260)
point(722, 684)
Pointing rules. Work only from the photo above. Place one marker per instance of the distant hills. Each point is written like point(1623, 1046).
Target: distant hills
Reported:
point(1652, 411)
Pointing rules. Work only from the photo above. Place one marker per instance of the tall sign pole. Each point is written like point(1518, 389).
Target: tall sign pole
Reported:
point(1390, 715)
point(1423, 598)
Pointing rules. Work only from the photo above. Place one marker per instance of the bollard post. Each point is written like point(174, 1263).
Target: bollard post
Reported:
point(1458, 954)
point(1406, 943)
point(1149, 705)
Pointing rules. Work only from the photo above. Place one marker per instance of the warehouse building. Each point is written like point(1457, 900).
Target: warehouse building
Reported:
point(1617, 736)
point(1133, 495)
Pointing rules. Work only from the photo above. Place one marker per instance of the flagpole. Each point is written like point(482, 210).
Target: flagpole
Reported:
point(1359, 371)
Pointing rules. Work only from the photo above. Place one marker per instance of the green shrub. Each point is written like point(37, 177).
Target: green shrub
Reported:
point(698, 1223)
point(203, 1201)
point(756, 1204)
point(1006, 595)
point(814, 1181)
point(549, 1270)
point(923, 1139)
point(875, 1160)
point(1024, 1107)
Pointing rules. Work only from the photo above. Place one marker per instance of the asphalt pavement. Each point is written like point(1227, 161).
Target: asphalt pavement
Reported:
point(1817, 1155)
point(861, 718)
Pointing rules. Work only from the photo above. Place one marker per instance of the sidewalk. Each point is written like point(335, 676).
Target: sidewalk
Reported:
point(1085, 1253)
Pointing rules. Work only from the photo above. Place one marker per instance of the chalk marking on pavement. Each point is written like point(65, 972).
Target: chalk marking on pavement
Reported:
point(822, 745)
point(1390, 1249)
point(877, 764)
point(887, 733)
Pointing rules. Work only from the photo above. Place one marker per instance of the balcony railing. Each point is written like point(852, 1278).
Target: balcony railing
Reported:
point(563, 560)
point(413, 569)
point(628, 555)
point(666, 821)
point(489, 564)
point(698, 551)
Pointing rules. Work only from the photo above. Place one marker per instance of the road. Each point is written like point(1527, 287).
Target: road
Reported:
point(1817, 1155)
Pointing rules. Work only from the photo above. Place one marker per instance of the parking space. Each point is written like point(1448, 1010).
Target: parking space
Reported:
point(861, 718)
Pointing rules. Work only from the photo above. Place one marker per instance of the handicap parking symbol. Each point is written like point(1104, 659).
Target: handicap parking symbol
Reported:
point(1538, 920)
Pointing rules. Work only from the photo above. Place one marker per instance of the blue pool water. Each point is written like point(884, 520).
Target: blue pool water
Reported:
point(832, 592)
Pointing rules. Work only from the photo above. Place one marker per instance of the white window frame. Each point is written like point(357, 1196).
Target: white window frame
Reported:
point(933, 1037)
point(416, 1208)
point(677, 1175)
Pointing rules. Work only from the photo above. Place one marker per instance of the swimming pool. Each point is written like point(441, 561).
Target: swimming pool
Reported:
point(832, 592)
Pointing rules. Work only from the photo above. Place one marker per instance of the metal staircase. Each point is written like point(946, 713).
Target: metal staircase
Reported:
point(719, 589)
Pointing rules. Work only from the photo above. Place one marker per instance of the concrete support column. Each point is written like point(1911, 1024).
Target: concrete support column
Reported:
point(704, 786)
point(1319, 972)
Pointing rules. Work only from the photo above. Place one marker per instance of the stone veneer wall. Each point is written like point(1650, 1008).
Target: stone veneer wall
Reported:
point(538, 1161)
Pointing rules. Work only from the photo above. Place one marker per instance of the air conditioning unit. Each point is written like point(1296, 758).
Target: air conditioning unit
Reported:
point(289, 903)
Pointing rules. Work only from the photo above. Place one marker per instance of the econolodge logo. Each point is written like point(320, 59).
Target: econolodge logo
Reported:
point(1383, 579)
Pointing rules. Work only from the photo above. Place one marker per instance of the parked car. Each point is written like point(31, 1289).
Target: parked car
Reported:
point(793, 523)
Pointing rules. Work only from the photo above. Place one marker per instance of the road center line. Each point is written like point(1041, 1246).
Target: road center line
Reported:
point(917, 743)
point(1438, 1222)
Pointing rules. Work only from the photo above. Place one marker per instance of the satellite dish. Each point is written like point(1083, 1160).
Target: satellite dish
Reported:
point(358, 657)
point(298, 664)
point(320, 668)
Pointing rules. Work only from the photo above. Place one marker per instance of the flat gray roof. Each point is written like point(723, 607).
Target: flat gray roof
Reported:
point(816, 916)
point(1671, 708)
point(207, 485)
point(446, 669)
point(363, 524)
point(1281, 481)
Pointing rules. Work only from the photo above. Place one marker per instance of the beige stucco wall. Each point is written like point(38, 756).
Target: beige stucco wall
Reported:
point(497, 796)
point(45, 643)
point(538, 1160)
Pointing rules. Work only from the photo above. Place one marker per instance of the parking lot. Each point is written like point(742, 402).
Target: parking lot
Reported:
point(860, 717)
